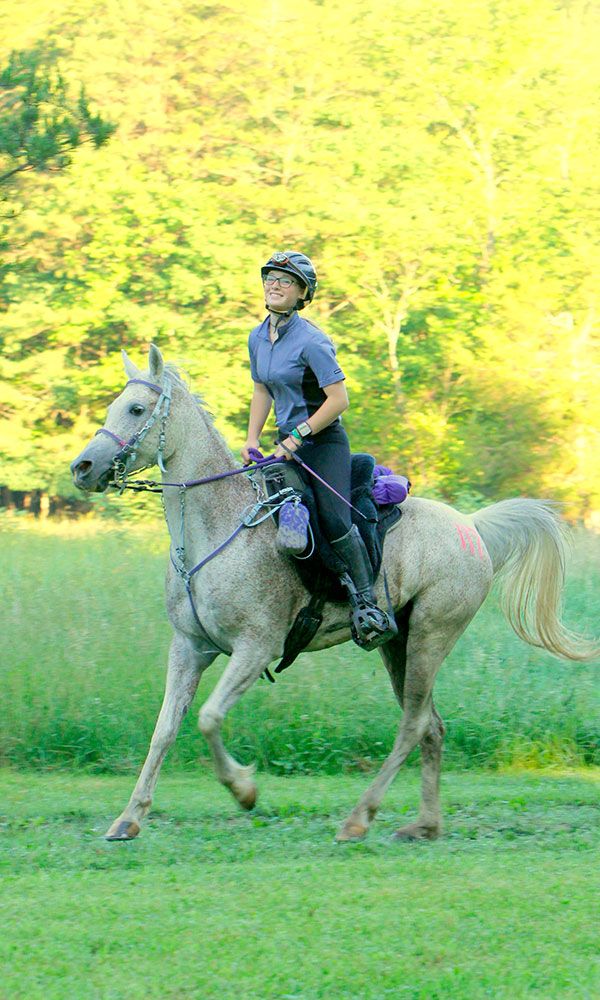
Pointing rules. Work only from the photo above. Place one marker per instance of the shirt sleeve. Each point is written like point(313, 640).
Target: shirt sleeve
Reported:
point(319, 354)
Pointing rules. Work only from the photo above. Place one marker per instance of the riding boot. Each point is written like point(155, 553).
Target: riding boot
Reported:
point(371, 627)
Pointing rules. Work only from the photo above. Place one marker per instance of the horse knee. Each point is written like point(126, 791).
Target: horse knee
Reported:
point(209, 722)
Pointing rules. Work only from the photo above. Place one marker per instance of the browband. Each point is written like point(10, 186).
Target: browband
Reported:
point(141, 381)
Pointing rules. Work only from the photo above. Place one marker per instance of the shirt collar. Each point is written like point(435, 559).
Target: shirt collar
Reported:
point(283, 328)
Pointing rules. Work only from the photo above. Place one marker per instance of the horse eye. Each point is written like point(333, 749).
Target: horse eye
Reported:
point(137, 409)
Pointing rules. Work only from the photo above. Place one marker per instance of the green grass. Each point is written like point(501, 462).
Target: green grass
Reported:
point(85, 638)
point(213, 903)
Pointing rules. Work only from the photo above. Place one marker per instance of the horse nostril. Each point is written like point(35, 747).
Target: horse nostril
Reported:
point(81, 469)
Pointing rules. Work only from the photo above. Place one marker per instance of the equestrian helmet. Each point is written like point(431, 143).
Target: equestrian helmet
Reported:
point(297, 264)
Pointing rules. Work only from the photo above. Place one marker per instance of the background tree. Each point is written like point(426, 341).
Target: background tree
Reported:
point(40, 123)
point(438, 163)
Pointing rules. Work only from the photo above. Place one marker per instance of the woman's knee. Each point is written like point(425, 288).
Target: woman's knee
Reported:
point(335, 526)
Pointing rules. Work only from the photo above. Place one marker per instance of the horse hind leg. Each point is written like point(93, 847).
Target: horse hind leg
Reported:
point(412, 660)
point(428, 825)
point(393, 653)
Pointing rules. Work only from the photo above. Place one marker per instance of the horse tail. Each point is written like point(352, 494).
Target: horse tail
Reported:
point(526, 543)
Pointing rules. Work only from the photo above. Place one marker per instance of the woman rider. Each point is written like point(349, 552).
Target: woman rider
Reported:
point(293, 364)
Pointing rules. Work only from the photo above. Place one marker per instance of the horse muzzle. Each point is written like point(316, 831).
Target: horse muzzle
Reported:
point(92, 472)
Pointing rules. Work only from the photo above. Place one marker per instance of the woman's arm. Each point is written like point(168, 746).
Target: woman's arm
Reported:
point(260, 407)
point(336, 402)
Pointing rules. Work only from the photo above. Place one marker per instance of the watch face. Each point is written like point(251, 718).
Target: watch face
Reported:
point(304, 429)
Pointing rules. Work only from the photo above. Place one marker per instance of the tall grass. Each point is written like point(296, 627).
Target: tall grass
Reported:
point(85, 639)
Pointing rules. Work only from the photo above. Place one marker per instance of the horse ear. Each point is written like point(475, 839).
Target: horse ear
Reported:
point(130, 370)
point(155, 363)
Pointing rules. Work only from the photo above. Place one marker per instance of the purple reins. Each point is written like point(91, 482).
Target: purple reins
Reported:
point(258, 460)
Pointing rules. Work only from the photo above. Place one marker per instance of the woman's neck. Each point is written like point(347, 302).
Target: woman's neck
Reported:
point(276, 320)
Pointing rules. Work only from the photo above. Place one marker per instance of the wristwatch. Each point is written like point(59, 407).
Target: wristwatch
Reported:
point(304, 429)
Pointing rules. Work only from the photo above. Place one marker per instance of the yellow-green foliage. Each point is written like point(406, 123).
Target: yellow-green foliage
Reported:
point(437, 161)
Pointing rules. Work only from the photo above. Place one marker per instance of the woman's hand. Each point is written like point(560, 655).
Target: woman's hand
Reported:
point(291, 444)
point(260, 407)
point(250, 443)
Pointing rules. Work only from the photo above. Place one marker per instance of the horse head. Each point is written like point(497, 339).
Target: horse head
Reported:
point(135, 433)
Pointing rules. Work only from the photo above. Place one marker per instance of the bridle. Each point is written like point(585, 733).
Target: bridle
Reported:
point(125, 458)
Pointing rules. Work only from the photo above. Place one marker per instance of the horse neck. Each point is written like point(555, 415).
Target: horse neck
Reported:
point(200, 451)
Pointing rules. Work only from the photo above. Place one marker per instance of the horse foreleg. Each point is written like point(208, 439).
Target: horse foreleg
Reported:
point(243, 669)
point(186, 664)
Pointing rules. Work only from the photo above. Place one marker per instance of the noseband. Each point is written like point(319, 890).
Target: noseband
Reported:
point(125, 458)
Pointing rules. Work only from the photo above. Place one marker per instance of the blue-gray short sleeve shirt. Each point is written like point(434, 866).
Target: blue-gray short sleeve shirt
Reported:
point(294, 369)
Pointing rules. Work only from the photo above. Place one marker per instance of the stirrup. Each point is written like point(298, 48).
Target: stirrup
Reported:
point(371, 627)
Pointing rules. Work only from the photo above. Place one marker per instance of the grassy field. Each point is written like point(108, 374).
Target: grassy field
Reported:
point(85, 637)
point(212, 903)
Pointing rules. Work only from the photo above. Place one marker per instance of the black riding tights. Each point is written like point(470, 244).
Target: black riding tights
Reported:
point(328, 453)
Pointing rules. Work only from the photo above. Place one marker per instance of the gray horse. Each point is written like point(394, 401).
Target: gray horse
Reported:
point(440, 565)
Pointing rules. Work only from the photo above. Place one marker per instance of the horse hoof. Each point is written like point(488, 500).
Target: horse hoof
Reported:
point(123, 830)
point(351, 832)
point(414, 831)
point(247, 799)
point(243, 788)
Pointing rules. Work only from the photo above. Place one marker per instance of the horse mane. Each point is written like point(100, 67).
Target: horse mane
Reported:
point(183, 379)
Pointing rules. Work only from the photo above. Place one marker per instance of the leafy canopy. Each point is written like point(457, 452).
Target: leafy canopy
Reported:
point(40, 123)
point(437, 161)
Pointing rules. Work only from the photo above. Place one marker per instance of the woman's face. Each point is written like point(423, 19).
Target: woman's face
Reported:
point(277, 296)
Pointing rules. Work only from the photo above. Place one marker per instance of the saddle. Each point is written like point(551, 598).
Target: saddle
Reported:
point(320, 570)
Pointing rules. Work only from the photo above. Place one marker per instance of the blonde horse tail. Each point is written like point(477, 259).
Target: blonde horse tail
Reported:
point(527, 545)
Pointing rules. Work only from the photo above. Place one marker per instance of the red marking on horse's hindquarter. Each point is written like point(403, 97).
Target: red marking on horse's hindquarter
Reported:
point(463, 544)
point(467, 534)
